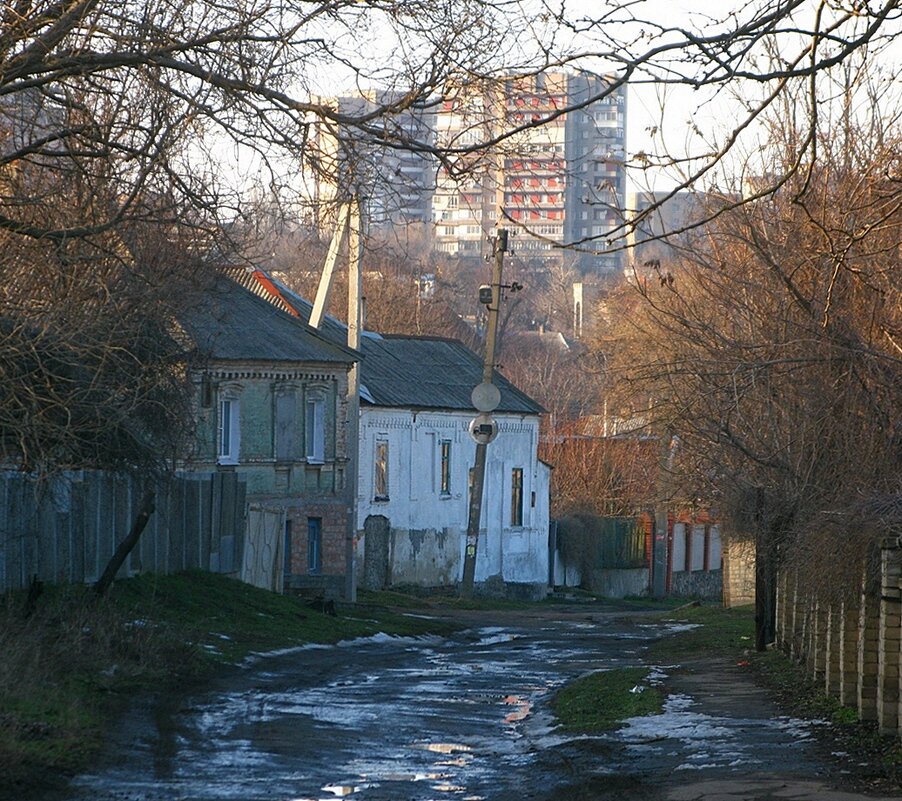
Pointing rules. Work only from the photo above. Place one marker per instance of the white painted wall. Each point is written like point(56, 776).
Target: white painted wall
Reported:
point(679, 547)
point(715, 558)
point(694, 535)
point(416, 504)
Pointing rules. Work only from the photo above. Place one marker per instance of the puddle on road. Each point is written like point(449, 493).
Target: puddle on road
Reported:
point(524, 707)
point(342, 790)
point(445, 748)
point(458, 720)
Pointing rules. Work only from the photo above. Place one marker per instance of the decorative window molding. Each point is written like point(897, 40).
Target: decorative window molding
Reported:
point(380, 477)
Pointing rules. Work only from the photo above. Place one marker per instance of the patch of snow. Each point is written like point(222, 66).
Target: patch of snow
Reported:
point(708, 741)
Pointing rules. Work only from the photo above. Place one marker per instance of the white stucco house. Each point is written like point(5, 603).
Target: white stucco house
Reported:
point(415, 460)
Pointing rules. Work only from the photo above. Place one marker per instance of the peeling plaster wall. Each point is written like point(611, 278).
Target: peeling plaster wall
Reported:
point(426, 557)
point(428, 526)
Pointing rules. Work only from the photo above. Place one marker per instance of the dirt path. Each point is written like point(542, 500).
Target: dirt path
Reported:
point(466, 717)
point(815, 771)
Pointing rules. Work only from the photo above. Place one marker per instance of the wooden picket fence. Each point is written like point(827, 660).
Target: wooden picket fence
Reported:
point(64, 530)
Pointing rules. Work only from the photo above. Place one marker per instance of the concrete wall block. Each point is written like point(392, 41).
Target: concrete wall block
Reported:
point(782, 604)
point(818, 658)
point(849, 635)
point(868, 657)
point(888, 666)
point(833, 652)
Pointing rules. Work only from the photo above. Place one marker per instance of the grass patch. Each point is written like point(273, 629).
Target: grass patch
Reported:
point(602, 701)
point(230, 619)
point(718, 632)
point(74, 662)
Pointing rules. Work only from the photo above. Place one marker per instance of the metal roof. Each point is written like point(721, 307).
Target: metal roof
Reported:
point(229, 323)
point(430, 373)
point(413, 372)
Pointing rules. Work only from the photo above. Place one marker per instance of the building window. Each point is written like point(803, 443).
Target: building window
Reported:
point(445, 486)
point(315, 430)
point(517, 496)
point(314, 544)
point(228, 434)
point(380, 484)
point(285, 426)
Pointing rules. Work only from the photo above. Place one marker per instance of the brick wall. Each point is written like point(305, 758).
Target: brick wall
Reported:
point(738, 572)
point(335, 520)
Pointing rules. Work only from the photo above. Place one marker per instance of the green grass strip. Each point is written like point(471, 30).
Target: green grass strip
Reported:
point(602, 701)
point(719, 632)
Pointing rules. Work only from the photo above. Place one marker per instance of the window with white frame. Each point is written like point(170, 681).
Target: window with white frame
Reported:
point(229, 433)
point(315, 430)
point(380, 477)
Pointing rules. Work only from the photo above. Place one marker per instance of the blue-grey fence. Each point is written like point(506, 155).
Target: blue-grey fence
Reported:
point(65, 529)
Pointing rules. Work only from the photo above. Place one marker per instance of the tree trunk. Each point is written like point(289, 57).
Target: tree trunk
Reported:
point(765, 590)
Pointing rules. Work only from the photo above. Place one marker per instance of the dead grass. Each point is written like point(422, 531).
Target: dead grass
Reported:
point(63, 668)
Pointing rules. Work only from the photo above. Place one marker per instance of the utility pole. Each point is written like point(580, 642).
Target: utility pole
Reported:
point(475, 507)
point(348, 224)
point(355, 324)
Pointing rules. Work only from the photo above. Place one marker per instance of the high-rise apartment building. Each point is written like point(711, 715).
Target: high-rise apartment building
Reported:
point(596, 175)
point(553, 177)
point(394, 183)
point(558, 178)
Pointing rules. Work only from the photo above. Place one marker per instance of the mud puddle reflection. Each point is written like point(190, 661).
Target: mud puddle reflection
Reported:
point(387, 719)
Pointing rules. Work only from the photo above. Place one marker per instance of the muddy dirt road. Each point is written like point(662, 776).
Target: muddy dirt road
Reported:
point(461, 718)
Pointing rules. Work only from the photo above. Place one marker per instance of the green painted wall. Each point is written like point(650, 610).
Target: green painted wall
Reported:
point(257, 453)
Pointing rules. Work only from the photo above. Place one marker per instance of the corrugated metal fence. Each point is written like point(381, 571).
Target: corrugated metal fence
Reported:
point(592, 542)
point(66, 529)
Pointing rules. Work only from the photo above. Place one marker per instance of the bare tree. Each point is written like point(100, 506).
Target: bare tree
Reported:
point(774, 355)
point(126, 88)
point(123, 123)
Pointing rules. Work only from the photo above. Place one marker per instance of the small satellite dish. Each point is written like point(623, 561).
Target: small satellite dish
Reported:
point(486, 397)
